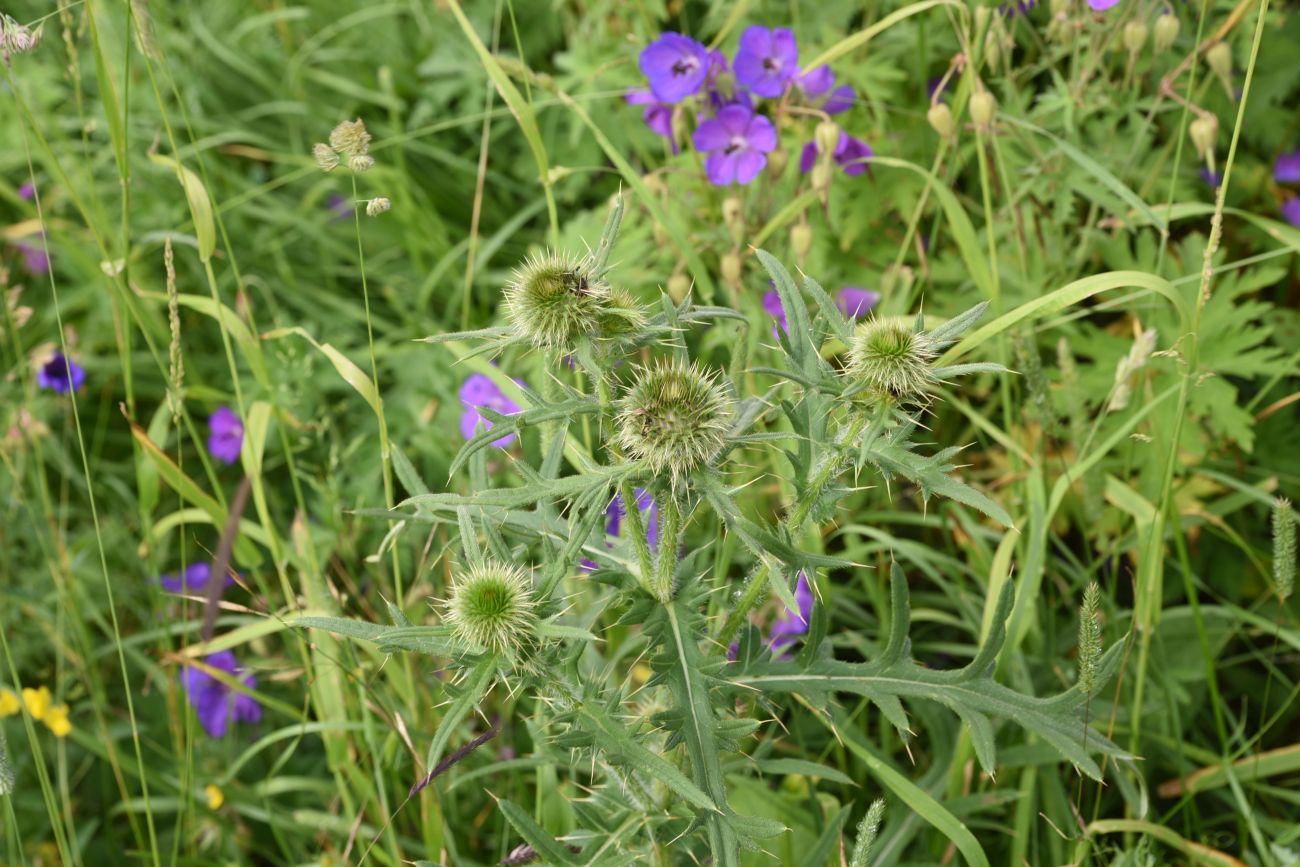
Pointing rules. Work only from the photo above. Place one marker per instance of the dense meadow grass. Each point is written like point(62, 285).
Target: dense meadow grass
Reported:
point(949, 353)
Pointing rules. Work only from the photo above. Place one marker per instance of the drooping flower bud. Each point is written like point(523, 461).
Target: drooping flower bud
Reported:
point(491, 608)
point(731, 268)
point(661, 235)
point(1135, 37)
point(1165, 33)
point(733, 215)
point(675, 418)
point(679, 285)
point(377, 206)
point(777, 160)
point(940, 117)
point(1219, 59)
point(821, 175)
point(553, 299)
point(326, 159)
point(801, 239)
point(827, 137)
point(1204, 132)
point(983, 108)
point(350, 138)
point(993, 48)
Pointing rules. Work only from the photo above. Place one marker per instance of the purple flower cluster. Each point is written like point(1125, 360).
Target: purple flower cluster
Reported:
point(58, 372)
point(1286, 170)
point(731, 130)
point(1102, 5)
point(217, 704)
point(194, 579)
point(850, 154)
point(790, 625)
point(225, 435)
point(853, 302)
point(480, 392)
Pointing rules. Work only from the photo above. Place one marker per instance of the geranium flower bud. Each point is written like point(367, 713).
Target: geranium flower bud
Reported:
point(777, 160)
point(377, 206)
point(821, 176)
point(679, 285)
point(675, 418)
point(1135, 37)
point(940, 117)
point(801, 239)
point(350, 138)
point(325, 156)
point(983, 108)
point(660, 233)
point(993, 49)
point(733, 211)
point(553, 299)
point(731, 268)
point(1165, 33)
point(827, 136)
point(491, 608)
point(1219, 59)
point(893, 357)
point(1204, 132)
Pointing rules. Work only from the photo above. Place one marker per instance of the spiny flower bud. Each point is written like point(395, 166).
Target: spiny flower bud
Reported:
point(983, 108)
point(350, 138)
point(491, 608)
point(679, 285)
point(893, 357)
point(325, 156)
point(940, 117)
point(553, 299)
point(1219, 59)
point(1165, 33)
point(361, 163)
point(675, 418)
point(1204, 131)
point(1135, 37)
point(377, 206)
point(827, 137)
point(1284, 548)
point(731, 268)
point(801, 239)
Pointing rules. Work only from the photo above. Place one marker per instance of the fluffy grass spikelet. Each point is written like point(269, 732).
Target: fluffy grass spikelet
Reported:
point(554, 299)
point(675, 417)
point(1090, 638)
point(491, 607)
point(1283, 548)
point(868, 828)
point(894, 357)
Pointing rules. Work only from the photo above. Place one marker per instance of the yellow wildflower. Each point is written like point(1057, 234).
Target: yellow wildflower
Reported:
point(56, 719)
point(37, 701)
point(215, 797)
point(9, 704)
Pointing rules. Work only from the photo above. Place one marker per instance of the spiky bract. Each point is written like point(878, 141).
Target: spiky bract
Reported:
point(893, 357)
point(491, 607)
point(554, 299)
point(675, 417)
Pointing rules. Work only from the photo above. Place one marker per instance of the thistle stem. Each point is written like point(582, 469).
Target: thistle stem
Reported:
point(670, 527)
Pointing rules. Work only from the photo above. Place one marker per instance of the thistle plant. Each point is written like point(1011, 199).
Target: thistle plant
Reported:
point(491, 608)
point(674, 417)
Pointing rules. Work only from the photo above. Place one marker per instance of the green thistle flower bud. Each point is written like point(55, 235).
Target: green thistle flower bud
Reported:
point(1283, 548)
point(622, 315)
point(679, 285)
point(675, 418)
point(1204, 131)
point(491, 608)
point(326, 159)
point(553, 300)
point(893, 357)
point(940, 117)
point(827, 137)
point(350, 138)
point(377, 206)
point(801, 240)
point(361, 163)
point(1165, 33)
point(1135, 37)
point(731, 268)
point(983, 108)
point(1219, 59)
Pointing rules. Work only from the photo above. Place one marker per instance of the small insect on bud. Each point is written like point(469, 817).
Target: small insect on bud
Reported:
point(361, 163)
point(326, 159)
point(821, 175)
point(983, 108)
point(554, 299)
point(1135, 37)
point(777, 160)
point(1204, 132)
point(731, 268)
point(893, 357)
point(675, 418)
point(1219, 59)
point(679, 286)
point(491, 608)
point(350, 138)
point(1165, 33)
point(827, 137)
point(801, 240)
point(940, 117)
point(377, 206)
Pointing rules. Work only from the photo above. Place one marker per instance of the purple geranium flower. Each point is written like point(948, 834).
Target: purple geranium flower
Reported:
point(479, 391)
point(1291, 211)
point(792, 624)
point(1287, 168)
point(1213, 179)
point(772, 304)
point(738, 142)
point(55, 374)
point(193, 580)
point(225, 435)
point(676, 66)
point(26, 191)
point(1101, 5)
point(1023, 7)
point(856, 303)
point(820, 82)
point(767, 60)
point(339, 206)
point(645, 504)
point(215, 703)
point(35, 259)
point(851, 154)
point(658, 115)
